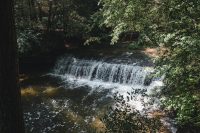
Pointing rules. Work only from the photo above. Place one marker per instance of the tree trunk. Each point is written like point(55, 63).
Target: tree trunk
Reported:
point(30, 9)
point(22, 10)
point(11, 118)
point(33, 8)
point(39, 11)
point(49, 16)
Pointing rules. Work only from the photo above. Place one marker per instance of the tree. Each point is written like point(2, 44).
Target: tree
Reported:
point(174, 25)
point(11, 118)
point(128, 15)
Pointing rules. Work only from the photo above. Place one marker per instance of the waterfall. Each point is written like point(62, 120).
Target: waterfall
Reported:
point(102, 75)
point(114, 76)
point(91, 70)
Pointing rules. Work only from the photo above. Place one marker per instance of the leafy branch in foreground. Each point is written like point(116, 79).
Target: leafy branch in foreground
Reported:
point(173, 25)
point(123, 118)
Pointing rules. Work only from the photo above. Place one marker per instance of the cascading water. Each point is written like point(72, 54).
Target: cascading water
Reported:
point(87, 88)
point(124, 79)
point(109, 75)
point(129, 74)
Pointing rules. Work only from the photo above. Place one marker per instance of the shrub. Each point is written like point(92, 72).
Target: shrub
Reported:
point(28, 42)
point(125, 119)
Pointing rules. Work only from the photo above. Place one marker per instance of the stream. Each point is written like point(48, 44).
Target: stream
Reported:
point(80, 90)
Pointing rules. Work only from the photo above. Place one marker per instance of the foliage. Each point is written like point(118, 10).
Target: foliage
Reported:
point(183, 78)
point(72, 17)
point(174, 25)
point(126, 15)
point(186, 111)
point(142, 42)
point(123, 118)
point(182, 62)
point(28, 41)
point(97, 33)
point(134, 45)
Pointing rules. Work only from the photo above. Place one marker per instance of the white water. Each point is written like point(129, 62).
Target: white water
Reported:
point(115, 77)
point(100, 75)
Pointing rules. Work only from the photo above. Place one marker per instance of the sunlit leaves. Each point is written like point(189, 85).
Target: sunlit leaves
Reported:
point(126, 15)
point(124, 119)
point(174, 25)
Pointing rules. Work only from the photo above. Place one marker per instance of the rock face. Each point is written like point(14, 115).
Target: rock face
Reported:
point(148, 80)
point(129, 36)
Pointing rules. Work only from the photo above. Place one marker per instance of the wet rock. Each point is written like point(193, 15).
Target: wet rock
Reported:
point(148, 80)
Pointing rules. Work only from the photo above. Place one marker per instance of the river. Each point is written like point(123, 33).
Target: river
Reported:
point(75, 94)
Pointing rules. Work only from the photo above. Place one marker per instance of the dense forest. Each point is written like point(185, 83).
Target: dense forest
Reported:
point(94, 32)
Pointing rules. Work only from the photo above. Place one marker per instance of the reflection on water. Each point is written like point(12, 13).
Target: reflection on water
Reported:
point(62, 111)
point(112, 77)
point(78, 91)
